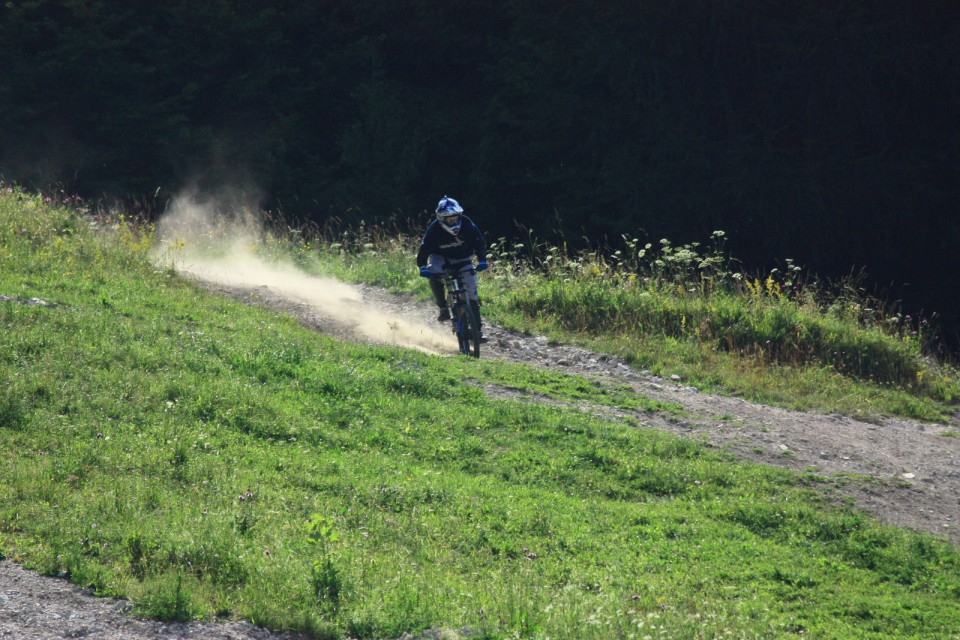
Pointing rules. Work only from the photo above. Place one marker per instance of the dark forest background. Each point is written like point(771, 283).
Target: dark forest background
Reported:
point(825, 132)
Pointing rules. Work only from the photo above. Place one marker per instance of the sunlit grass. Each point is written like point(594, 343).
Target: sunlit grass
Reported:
point(209, 459)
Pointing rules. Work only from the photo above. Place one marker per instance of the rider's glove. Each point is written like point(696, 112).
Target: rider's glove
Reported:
point(482, 265)
point(425, 272)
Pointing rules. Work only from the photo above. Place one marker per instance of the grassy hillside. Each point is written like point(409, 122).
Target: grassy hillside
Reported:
point(205, 458)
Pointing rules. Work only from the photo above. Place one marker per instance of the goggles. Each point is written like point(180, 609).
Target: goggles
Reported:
point(451, 219)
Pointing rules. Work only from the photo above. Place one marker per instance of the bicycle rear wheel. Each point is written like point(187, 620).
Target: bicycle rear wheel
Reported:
point(467, 328)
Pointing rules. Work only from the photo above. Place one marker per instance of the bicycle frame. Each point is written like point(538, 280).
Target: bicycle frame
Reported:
point(464, 318)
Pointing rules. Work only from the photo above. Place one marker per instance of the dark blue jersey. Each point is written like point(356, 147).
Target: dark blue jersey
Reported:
point(438, 241)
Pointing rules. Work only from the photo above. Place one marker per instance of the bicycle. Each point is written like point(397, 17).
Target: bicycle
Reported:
point(464, 317)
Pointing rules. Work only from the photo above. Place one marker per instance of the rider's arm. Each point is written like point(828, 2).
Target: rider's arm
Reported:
point(479, 245)
point(427, 246)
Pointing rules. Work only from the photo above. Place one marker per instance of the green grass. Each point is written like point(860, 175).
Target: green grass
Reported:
point(209, 459)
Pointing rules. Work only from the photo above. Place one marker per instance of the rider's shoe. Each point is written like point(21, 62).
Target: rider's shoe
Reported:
point(444, 315)
point(484, 338)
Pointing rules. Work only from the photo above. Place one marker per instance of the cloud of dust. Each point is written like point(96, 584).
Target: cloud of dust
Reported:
point(201, 240)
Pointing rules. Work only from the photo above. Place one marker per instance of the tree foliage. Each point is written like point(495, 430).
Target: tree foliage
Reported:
point(824, 132)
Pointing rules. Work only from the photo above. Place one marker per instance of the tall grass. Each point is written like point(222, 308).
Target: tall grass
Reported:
point(684, 293)
point(209, 459)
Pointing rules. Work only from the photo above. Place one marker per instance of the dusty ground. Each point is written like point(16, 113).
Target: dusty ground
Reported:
point(903, 472)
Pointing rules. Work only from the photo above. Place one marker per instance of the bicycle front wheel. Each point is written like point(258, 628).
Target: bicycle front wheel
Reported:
point(467, 327)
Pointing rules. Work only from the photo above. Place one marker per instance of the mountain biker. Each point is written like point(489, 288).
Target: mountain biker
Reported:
point(451, 242)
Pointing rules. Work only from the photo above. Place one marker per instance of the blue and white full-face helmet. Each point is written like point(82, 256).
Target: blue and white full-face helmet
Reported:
point(449, 214)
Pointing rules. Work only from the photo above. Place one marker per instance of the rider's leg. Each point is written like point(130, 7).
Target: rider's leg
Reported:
point(436, 263)
point(475, 304)
point(470, 284)
point(440, 296)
